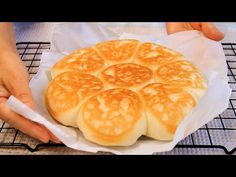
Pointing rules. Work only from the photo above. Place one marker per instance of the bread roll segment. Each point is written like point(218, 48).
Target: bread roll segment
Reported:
point(61, 108)
point(182, 73)
point(166, 106)
point(84, 60)
point(117, 51)
point(155, 55)
point(119, 90)
point(126, 75)
point(113, 117)
point(67, 91)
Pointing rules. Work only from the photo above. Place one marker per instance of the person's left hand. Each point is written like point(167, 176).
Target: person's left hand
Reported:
point(208, 29)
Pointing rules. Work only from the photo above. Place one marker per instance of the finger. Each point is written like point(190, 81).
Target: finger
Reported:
point(4, 93)
point(53, 137)
point(194, 25)
point(174, 27)
point(19, 87)
point(26, 126)
point(210, 31)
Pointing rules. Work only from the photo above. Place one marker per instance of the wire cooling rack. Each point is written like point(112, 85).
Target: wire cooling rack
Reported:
point(218, 134)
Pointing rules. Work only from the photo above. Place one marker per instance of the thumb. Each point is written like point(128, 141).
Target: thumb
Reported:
point(210, 31)
point(19, 88)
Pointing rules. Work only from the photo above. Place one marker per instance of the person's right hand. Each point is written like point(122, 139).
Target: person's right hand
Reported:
point(14, 80)
point(208, 29)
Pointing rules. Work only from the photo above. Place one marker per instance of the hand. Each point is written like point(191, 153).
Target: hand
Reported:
point(208, 29)
point(14, 81)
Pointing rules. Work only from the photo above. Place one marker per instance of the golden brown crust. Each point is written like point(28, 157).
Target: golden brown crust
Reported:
point(84, 60)
point(68, 89)
point(111, 114)
point(155, 55)
point(126, 75)
point(117, 51)
point(181, 73)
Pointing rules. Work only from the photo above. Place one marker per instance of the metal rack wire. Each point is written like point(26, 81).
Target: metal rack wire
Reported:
point(220, 133)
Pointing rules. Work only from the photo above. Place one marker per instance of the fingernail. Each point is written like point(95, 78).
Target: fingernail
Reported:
point(44, 138)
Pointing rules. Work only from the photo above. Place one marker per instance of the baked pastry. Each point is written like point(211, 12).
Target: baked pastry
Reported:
point(166, 105)
point(126, 75)
point(67, 91)
point(119, 90)
point(84, 60)
point(184, 74)
point(155, 55)
point(113, 117)
point(117, 51)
